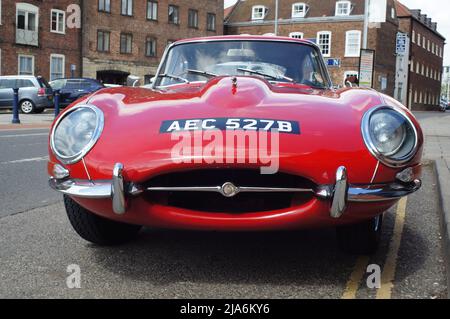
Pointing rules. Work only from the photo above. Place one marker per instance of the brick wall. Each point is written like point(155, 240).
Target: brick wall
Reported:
point(137, 63)
point(423, 86)
point(381, 37)
point(67, 44)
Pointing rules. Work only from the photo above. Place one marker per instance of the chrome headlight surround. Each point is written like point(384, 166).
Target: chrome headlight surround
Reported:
point(389, 159)
point(72, 159)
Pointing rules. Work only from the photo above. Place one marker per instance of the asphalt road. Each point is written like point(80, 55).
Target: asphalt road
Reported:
point(23, 171)
point(38, 246)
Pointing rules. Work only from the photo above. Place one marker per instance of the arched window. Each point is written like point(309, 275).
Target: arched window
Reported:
point(352, 43)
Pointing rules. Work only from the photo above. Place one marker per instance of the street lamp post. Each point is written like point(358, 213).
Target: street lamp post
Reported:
point(276, 17)
point(366, 23)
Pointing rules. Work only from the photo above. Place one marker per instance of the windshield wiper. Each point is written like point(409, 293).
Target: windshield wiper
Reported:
point(204, 73)
point(267, 75)
point(173, 77)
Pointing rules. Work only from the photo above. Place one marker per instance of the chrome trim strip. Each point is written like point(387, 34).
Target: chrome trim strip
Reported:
point(339, 202)
point(236, 190)
point(83, 189)
point(339, 194)
point(118, 190)
point(379, 193)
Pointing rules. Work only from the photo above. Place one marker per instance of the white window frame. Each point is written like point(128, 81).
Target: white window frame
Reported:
point(413, 36)
point(0, 13)
point(349, 8)
point(25, 56)
point(58, 12)
point(296, 35)
point(329, 33)
point(58, 56)
point(348, 53)
point(257, 8)
point(301, 13)
point(28, 8)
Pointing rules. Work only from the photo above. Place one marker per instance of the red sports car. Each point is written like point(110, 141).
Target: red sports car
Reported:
point(235, 133)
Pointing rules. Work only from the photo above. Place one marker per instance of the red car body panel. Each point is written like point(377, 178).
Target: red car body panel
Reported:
point(330, 137)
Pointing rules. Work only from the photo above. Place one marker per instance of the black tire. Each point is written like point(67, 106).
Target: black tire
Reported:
point(96, 229)
point(27, 107)
point(363, 238)
point(39, 111)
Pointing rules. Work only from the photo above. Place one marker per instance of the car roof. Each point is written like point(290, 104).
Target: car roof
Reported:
point(245, 38)
point(87, 79)
point(18, 77)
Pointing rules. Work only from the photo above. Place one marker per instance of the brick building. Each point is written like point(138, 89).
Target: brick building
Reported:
point(123, 38)
point(35, 39)
point(336, 26)
point(425, 60)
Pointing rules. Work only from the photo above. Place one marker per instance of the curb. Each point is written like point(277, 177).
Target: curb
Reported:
point(443, 180)
point(11, 127)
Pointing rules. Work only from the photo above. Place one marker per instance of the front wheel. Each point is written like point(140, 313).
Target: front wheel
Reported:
point(96, 229)
point(362, 238)
point(27, 107)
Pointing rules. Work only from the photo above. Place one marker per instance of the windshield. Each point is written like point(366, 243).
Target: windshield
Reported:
point(274, 60)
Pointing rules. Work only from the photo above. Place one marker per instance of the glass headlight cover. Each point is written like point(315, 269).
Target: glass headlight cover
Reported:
point(389, 135)
point(76, 132)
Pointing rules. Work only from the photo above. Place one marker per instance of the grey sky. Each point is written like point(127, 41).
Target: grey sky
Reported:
point(438, 10)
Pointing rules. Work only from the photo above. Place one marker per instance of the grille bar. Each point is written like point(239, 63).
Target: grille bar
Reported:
point(230, 190)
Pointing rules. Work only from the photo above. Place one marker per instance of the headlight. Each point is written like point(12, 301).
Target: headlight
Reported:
point(76, 132)
point(389, 135)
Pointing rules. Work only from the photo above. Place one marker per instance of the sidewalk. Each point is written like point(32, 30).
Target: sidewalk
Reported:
point(436, 127)
point(27, 121)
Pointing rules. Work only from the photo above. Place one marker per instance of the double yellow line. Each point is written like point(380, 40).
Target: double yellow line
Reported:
point(388, 273)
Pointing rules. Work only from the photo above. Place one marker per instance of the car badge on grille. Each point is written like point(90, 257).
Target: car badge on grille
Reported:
point(229, 190)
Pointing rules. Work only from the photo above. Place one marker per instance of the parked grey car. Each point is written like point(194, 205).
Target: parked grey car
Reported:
point(35, 94)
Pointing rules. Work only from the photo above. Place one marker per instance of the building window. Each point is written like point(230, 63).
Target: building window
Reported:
point(324, 43)
point(150, 47)
point(343, 8)
point(259, 12)
point(413, 36)
point(352, 43)
point(58, 21)
point(296, 35)
point(103, 41)
point(26, 65)
point(27, 17)
point(211, 22)
point(299, 10)
point(57, 65)
point(126, 43)
point(193, 18)
point(104, 6)
point(419, 39)
point(127, 8)
point(152, 10)
point(0, 16)
point(418, 68)
point(174, 14)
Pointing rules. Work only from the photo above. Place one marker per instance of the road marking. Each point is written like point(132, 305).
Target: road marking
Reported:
point(355, 278)
point(23, 135)
point(26, 160)
point(388, 274)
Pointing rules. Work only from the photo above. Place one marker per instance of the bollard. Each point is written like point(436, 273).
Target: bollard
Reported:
point(57, 95)
point(16, 119)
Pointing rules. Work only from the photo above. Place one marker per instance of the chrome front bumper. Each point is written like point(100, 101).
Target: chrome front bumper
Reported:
point(340, 193)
